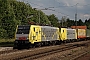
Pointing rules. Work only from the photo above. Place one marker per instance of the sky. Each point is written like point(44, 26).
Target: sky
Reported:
point(67, 8)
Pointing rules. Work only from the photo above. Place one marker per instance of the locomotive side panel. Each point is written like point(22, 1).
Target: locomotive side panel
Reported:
point(49, 33)
point(71, 34)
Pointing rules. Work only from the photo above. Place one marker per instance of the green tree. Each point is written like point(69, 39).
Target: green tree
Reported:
point(8, 22)
point(87, 23)
point(80, 23)
point(14, 13)
point(53, 20)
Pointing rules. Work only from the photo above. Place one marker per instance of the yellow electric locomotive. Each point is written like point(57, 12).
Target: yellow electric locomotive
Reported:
point(35, 35)
point(68, 34)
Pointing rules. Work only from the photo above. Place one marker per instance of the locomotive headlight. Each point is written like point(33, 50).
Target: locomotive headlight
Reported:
point(16, 38)
point(16, 41)
point(27, 38)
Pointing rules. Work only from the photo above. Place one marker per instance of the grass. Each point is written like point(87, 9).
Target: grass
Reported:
point(6, 42)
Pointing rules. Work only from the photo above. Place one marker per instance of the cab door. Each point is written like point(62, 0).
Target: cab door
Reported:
point(36, 35)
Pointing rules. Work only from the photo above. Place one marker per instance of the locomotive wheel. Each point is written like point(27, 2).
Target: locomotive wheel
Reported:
point(39, 44)
point(53, 43)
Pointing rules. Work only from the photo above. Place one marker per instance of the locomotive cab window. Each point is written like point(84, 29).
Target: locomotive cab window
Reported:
point(63, 30)
point(34, 29)
point(23, 29)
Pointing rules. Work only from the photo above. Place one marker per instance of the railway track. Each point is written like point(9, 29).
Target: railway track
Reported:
point(40, 52)
point(56, 51)
point(82, 54)
point(78, 56)
point(85, 56)
point(8, 51)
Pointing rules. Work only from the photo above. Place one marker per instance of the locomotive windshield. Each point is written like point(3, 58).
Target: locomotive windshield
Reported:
point(23, 29)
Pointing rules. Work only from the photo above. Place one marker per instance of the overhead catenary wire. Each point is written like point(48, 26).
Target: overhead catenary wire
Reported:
point(64, 6)
point(49, 8)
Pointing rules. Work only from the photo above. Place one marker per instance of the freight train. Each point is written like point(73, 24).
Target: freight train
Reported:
point(27, 36)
